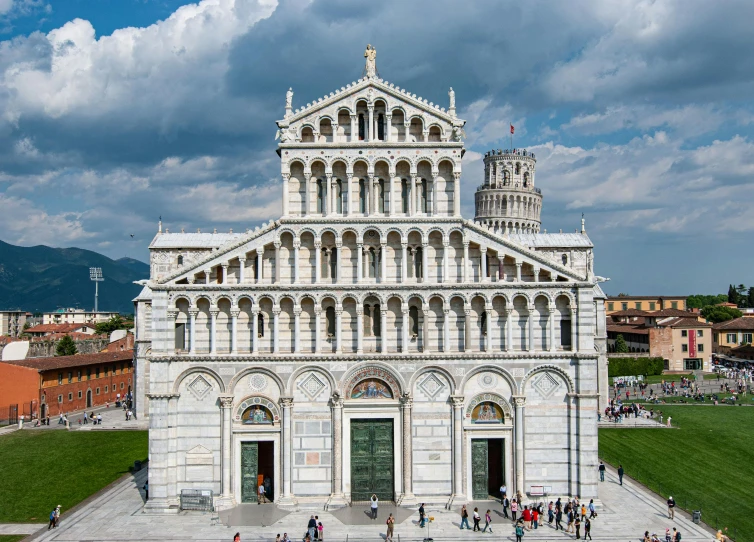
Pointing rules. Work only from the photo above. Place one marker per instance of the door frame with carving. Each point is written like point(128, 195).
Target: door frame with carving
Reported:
point(255, 436)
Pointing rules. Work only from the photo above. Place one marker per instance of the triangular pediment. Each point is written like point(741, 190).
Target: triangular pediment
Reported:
point(199, 450)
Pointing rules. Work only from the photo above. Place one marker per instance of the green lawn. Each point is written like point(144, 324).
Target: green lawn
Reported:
point(44, 468)
point(657, 379)
point(11, 537)
point(670, 399)
point(706, 464)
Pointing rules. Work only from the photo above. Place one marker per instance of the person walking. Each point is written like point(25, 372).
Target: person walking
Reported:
point(86, 419)
point(514, 509)
point(390, 522)
point(526, 516)
point(583, 511)
point(99, 419)
point(311, 527)
point(587, 529)
point(592, 512)
point(464, 517)
point(145, 487)
point(577, 524)
point(569, 527)
point(57, 516)
point(620, 474)
point(421, 515)
point(558, 519)
point(671, 508)
point(519, 532)
point(320, 531)
point(477, 518)
point(52, 520)
point(535, 517)
point(261, 498)
point(374, 504)
point(676, 535)
point(503, 492)
point(602, 469)
point(506, 505)
point(237, 537)
point(550, 513)
point(487, 522)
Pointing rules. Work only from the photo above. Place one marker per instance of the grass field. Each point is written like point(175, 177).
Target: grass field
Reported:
point(11, 537)
point(705, 465)
point(42, 469)
point(657, 379)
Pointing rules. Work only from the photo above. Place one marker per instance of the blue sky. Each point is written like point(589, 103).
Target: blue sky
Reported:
point(115, 112)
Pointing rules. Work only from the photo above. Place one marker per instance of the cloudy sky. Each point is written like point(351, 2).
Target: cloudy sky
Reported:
point(114, 112)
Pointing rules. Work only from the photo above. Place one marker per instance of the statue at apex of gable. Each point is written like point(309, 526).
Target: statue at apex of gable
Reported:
point(371, 55)
point(289, 98)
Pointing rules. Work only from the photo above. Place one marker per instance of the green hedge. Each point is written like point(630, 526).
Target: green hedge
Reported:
point(635, 366)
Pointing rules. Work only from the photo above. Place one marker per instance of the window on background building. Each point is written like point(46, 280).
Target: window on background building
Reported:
point(700, 348)
point(637, 305)
point(652, 305)
point(716, 338)
point(700, 333)
point(122, 367)
point(97, 390)
point(684, 333)
point(731, 338)
point(88, 373)
point(105, 389)
point(692, 364)
point(624, 306)
point(746, 338)
point(70, 377)
point(60, 398)
point(79, 394)
point(180, 260)
point(674, 304)
point(121, 384)
point(78, 376)
point(96, 372)
point(684, 348)
point(611, 306)
point(107, 370)
point(70, 397)
point(60, 378)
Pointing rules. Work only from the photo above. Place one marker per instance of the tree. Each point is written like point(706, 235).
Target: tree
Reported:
point(113, 324)
point(732, 295)
point(750, 297)
point(742, 298)
point(717, 314)
point(620, 345)
point(66, 347)
point(27, 325)
point(700, 301)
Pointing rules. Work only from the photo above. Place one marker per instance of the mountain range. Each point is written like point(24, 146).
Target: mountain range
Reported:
point(42, 278)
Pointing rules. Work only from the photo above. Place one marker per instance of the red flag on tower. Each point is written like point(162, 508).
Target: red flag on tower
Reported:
point(511, 128)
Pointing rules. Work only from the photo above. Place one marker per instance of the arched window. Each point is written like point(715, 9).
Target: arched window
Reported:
point(307, 135)
point(425, 202)
point(339, 196)
point(333, 264)
point(381, 127)
point(413, 318)
point(506, 177)
point(180, 260)
point(381, 202)
point(260, 325)
point(564, 258)
point(526, 179)
point(362, 196)
point(362, 127)
point(565, 334)
point(404, 195)
point(418, 269)
point(518, 168)
point(330, 317)
point(483, 322)
point(320, 196)
point(372, 263)
point(376, 321)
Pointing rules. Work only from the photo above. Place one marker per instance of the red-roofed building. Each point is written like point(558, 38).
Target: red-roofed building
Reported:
point(59, 329)
point(67, 383)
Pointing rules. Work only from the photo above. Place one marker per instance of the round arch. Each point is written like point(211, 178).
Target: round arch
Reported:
point(256, 369)
point(199, 369)
point(312, 369)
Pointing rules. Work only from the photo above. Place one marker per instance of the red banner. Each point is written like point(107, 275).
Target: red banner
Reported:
point(692, 343)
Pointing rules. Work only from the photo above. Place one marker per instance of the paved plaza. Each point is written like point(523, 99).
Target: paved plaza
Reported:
point(118, 515)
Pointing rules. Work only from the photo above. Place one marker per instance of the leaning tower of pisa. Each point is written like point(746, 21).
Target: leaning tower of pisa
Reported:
point(508, 201)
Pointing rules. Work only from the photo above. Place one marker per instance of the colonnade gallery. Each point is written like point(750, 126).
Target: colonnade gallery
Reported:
point(371, 340)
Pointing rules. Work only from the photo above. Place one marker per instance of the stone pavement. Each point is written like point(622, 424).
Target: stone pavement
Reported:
point(117, 515)
point(112, 418)
point(18, 528)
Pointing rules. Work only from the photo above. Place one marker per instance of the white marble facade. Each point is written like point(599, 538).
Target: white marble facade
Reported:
point(370, 274)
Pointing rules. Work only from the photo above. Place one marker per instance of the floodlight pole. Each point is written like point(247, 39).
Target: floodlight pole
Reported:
point(96, 296)
point(95, 274)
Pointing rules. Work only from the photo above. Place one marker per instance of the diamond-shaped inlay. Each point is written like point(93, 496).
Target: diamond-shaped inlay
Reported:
point(200, 387)
point(432, 385)
point(546, 385)
point(311, 386)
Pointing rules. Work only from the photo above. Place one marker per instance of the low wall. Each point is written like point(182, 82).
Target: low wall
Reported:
point(46, 349)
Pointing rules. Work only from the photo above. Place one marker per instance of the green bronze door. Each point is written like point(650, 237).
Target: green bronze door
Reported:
point(479, 467)
point(249, 467)
point(372, 460)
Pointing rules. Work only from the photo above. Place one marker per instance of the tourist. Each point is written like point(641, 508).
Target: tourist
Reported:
point(60, 420)
point(592, 512)
point(620, 474)
point(464, 517)
point(374, 504)
point(535, 517)
point(421, 515)
point(57, 516)
point(261, 498)
point(477, 518)
point(321, 531)
point(667, 535)
point(577, 524)
point(558, 518)
point(99, 419)
point(669, 418)
point(487, 522)
point(285, 538)
point(86, 419)
point(571, 516)
point(526, 516)
point(602, 471)
point(52, 519)
point(550, 513)
point(316, 518)
point(237, 537)
point(671, 508)
point(514, 509)
point(145, 487)
point(646, 537)
point(519, 532)
point(676, 535)
point(587, 529)
point(583, 512)
point(390, 522)
point(506, 505)
point(503, 492)
point(311, 527)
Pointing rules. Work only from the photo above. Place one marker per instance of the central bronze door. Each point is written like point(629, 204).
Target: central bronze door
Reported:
point(249, 469)
point(372, 460)
point(487, 468)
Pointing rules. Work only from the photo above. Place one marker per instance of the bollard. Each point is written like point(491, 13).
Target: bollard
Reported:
point(20, 422)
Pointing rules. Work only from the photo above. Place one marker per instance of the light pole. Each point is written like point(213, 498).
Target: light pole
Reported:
point(95, 274)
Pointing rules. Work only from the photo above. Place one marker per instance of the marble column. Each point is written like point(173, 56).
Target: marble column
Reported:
point(458, 491)
point(317, 261)
point(334, 196)
point(410, 194)
point(296, 246)
point(277, 262)
point(226, 405)
point(224, 280)
point(530, 330)
point(404, 266)
point(574, 332)
point(254, 331)
point(309, 182)
point(490, 319)
point(370, 128)
point(285, 193)
point(467, 330)
point(551, 327)
point(275, 331)
point(326, 195)
point(207, 273)
point(508, 330)
point(286, 436)
point(213, 330)
point(404, 330)
point(391, 195)
point(383, 330)
point(336, 405)
point(446, 330)
point(359, 262)
point(234, 331)
point(425, 269)
point(408, 481)
point(406, 131)
point(483, 271)
point(383, 262)
point(338, 265)
point(518, 271)
point(338, 333)
point(388, 125)
point(359, 329)
point(519, 401)
point(536, 274)
point(241, 269)
point(354, 129)
point(260, 264)
point(445, 248)
point(317, 329)
point(425, 329)
point(465, 261)
point(297, 330)
point(456, 194)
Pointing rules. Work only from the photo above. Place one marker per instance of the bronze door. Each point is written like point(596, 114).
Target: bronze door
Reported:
point(249, 468)
point(372, 460)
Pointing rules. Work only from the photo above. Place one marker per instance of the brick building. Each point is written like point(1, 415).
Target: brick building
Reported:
point(68, 383)
point(45, 330)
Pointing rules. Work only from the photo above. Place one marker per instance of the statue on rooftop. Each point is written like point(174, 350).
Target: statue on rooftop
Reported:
point(289, 98)
point(371, 55)
point(452, 95)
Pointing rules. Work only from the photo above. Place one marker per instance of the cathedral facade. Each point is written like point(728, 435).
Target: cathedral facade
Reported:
point(372, 340)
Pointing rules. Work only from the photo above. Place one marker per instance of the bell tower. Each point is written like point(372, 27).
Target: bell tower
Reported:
point(508, 201)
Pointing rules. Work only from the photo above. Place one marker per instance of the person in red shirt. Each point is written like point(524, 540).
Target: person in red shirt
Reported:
point(526, 516)
point(535, 517)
